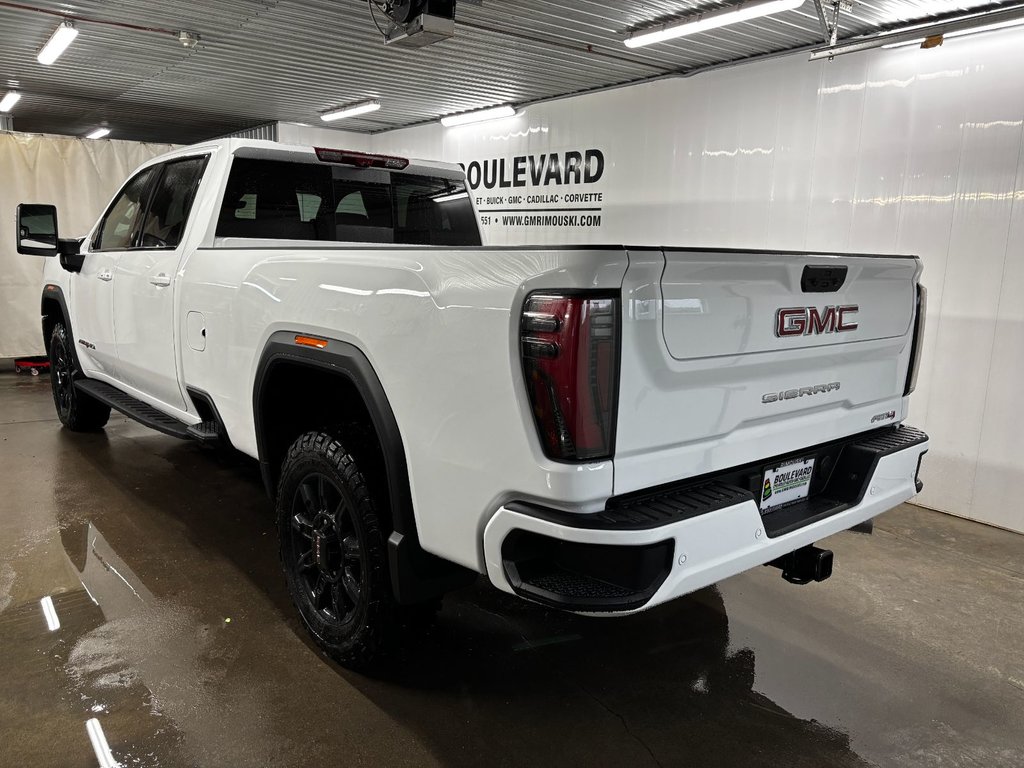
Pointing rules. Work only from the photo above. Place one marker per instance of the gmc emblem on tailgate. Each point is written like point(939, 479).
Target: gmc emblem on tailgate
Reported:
point(808, 321)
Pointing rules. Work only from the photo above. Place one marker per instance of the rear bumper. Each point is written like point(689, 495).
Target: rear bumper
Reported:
point(653, 547)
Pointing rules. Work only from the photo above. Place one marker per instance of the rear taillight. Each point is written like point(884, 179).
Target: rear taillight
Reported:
point(918, 340)
point(570, 350)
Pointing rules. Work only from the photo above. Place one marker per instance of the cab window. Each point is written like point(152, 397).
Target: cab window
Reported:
point(277, 199)
point(165, 219)
point(117, 229)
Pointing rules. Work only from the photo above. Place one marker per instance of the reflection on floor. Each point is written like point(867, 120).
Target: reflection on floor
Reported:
point(168, 640)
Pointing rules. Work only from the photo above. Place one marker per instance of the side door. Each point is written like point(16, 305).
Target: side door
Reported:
point(145, 285)
point(93, 287)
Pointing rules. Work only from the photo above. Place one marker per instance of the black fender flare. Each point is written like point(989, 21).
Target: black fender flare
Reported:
point(53, 292)
point(416, 575)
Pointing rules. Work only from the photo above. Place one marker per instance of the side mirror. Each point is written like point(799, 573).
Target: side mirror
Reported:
point(37, 229)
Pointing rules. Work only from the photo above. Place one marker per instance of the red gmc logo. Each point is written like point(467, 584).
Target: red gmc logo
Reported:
point(808, 321)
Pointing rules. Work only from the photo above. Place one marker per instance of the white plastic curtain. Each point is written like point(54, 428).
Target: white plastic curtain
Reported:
point(79, 177)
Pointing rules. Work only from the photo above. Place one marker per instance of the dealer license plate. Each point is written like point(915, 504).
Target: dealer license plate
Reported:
point(785, 483)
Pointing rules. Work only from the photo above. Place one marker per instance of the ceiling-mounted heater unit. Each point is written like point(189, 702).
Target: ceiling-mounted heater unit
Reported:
point(416, 23)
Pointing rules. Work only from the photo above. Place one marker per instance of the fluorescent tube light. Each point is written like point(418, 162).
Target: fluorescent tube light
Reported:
point(7, 102)
point(99, 133)
point(961, 33)
point(450, 197)
point(491, 113)
point(351, 110)
point(58, 43)
point(752, 9)
point(986, 28)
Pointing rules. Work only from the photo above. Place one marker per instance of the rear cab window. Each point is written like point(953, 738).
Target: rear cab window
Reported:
point(287, 200)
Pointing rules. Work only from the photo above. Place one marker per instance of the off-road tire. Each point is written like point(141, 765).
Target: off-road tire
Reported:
point(77, 411)
point(331, 535)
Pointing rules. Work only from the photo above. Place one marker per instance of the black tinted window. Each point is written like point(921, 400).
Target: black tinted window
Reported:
point(433, 211)
point(118, 226)
point(171, 203)
point(307, 201)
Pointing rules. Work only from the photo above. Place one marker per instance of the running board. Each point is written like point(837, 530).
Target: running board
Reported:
point(207, 432)
point(133, 408)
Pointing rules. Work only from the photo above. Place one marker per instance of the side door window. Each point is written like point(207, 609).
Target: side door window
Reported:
point(117, 230)
point(165, 219)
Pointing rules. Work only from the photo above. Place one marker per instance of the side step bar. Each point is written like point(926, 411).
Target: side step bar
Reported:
point(133, 408)
point(205, 432)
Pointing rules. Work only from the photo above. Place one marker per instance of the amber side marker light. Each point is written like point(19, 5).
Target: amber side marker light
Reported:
point(311, 341)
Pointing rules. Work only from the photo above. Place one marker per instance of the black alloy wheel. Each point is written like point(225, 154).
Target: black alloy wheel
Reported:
point(329, 556)
point(334, 552)
point(61, 380)
point(77, 411)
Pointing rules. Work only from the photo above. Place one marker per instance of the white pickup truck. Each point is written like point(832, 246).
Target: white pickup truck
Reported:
point(595, 428)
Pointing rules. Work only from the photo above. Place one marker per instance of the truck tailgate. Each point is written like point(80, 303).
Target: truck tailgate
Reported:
point(732, 357)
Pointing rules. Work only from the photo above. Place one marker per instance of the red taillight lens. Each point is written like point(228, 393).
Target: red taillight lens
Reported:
point(918, 340)
point(570, 349)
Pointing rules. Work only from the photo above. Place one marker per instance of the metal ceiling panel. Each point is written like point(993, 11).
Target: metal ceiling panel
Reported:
point(268, 60)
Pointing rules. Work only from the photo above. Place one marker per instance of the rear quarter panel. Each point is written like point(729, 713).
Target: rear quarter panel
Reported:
point(438, 327)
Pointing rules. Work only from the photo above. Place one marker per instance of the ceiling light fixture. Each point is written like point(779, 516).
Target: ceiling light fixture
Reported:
point(99, 133)
point(478, 116)
point(9, 100)
point(361, 108)
point(961, 33)
point(752, 9)
point(58, 43)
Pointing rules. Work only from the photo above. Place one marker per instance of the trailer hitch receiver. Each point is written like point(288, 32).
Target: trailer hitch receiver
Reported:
point(805, 565)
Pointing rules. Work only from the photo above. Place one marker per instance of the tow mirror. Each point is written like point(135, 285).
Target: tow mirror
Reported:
point(37, 229)
point(37, 236)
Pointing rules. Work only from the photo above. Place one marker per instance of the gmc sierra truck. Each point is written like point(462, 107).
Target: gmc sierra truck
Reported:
point(597, 429)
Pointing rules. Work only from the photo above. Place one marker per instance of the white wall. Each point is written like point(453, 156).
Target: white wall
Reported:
point(898, 150)
point(79, 177)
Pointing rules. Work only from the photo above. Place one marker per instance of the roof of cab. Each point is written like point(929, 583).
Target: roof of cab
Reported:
point(273, 150)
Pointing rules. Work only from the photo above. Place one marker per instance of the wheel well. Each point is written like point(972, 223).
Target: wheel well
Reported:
point(336, 390)
point(52, 314)
point(297, 398)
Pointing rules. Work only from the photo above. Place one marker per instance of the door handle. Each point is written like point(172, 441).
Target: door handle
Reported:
point(106, 275)
point(161, 280)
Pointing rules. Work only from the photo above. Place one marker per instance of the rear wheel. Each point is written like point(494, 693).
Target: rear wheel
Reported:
point(77, 411)
point(334, 553)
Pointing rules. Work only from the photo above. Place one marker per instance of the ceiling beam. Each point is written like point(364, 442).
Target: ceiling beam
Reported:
point(907, 34)
point(826, 30)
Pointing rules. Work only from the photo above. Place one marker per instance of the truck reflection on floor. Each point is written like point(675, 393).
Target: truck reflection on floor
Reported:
point(495, 676)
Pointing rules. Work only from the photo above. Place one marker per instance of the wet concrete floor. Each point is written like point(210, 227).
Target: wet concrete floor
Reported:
point(176, 637)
